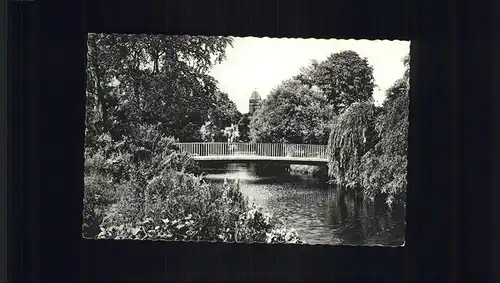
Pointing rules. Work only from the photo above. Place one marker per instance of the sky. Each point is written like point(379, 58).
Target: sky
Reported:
point(263, 63)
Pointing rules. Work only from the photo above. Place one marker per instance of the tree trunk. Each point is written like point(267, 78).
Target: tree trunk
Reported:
point(94, 66)
point(102, 102)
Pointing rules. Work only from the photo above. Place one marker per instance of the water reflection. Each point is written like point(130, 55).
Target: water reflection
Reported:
point(320, 214)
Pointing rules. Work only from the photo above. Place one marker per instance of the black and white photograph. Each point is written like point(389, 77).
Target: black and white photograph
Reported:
point(246, 139)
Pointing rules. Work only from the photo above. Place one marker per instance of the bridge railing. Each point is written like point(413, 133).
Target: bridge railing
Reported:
point(255, 149)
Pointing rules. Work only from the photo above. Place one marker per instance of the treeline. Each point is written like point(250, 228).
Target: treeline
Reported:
point(301, 109)
point(331, 102)
point(143, 94)
point(162, 81)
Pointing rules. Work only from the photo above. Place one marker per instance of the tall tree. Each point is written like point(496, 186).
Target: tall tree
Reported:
point(385, 165)
point(307, 74)
point(292, 113)
point(244, 127)
point(406, 62)
point(344, 78)
point(397, 89)
point(151, 79)
point(352, 136)
point(223, 113)
point(402, 85)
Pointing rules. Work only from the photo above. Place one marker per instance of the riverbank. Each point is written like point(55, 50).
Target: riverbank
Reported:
point(171, 204)
point(303, 169)
point(310, 170)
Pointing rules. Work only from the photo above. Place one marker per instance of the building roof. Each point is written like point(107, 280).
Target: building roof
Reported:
point(255, 95)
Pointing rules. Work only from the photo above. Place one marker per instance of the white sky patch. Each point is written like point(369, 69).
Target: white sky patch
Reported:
point(263, 63)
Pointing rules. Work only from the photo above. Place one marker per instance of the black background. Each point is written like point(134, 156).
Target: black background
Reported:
point(447, 238)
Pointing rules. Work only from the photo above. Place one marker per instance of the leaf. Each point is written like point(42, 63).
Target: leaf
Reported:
point(135, 231)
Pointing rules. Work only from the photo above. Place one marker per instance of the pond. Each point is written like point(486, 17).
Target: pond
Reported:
point(319, 213)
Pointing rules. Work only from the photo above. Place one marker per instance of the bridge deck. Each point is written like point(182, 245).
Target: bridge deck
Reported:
point(257, 152)
point(259, 158)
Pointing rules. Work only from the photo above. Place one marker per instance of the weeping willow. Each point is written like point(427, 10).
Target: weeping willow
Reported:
point(368, 145)
point(385, 166)
point(352, 136)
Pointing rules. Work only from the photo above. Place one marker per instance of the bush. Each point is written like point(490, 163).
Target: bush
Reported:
point(100, 193)
point(114, 181)
point(145, 188)
point(91, 220)
point(304, 169)
point(180, 206)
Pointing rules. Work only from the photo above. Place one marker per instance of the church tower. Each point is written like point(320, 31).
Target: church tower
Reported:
point(253, 102)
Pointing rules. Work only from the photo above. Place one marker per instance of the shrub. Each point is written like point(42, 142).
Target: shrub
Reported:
point(145, 188)
point(91, 220)
point(151, 229)
point(180, 206)
point(114, 182)
point(99, 194)
point(304, 169)
point(283, 235)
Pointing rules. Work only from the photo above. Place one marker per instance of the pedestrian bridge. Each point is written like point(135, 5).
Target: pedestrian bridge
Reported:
point(310, 154)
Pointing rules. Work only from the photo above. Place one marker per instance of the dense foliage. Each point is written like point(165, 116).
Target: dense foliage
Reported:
point(344, 78)
point(351, 138)
point(223, 114)
point(144, 93)
point(368, 145)
point(152, 192)
point(292, 113)
point(153, 79)
point(330, 102)
point(385, 166)
point(244, 127)
point(301, 110)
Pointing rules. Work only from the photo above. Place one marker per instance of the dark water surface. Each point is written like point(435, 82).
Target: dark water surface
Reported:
point(321, 215)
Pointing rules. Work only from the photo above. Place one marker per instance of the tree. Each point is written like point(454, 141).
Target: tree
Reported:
point(101, 69)
point(352, 136)
point(385, 165)
point(151, 80)
point(224, 111)
point(209, 131)
point(222, 114)
point(343, 77)
point(397, 89)
point(306, 75)
point(402, 85)
point(244, 127)
point(368, 145)
point(406, 62)
point(291, 114)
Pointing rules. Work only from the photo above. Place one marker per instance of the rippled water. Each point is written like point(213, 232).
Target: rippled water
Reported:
point(320, 214)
